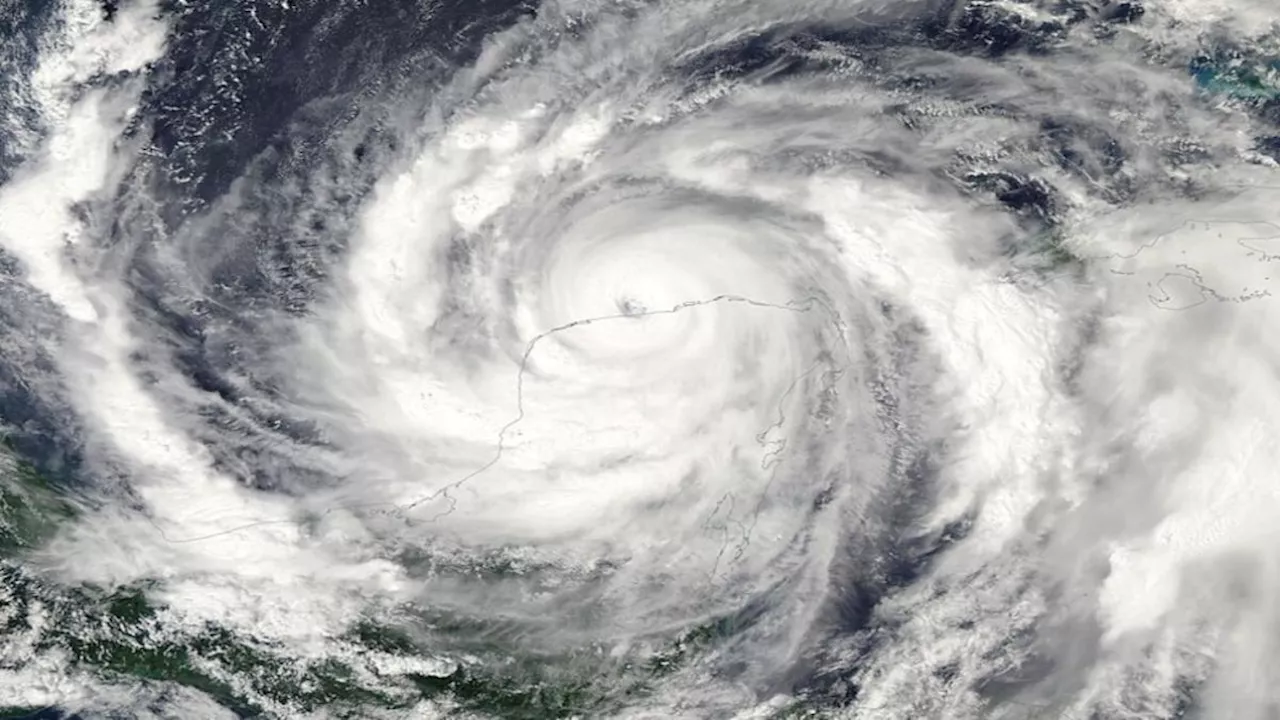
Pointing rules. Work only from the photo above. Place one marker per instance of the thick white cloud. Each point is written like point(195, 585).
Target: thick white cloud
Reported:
point(681, 346)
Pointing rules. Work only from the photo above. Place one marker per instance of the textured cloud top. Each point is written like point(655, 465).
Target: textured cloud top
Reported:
point(629, 359)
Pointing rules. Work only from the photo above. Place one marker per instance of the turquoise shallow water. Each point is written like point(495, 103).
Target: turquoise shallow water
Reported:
point(1253, 79)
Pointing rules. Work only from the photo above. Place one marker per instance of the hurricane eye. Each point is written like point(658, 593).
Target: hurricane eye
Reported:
point(631, 307)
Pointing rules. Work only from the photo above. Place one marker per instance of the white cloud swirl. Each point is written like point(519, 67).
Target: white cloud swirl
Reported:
point(735, 348)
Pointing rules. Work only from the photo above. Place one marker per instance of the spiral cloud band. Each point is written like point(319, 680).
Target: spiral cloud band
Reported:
point(634, 359)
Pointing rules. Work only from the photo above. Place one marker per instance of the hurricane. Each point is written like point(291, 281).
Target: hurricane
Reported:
point(640, 359)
